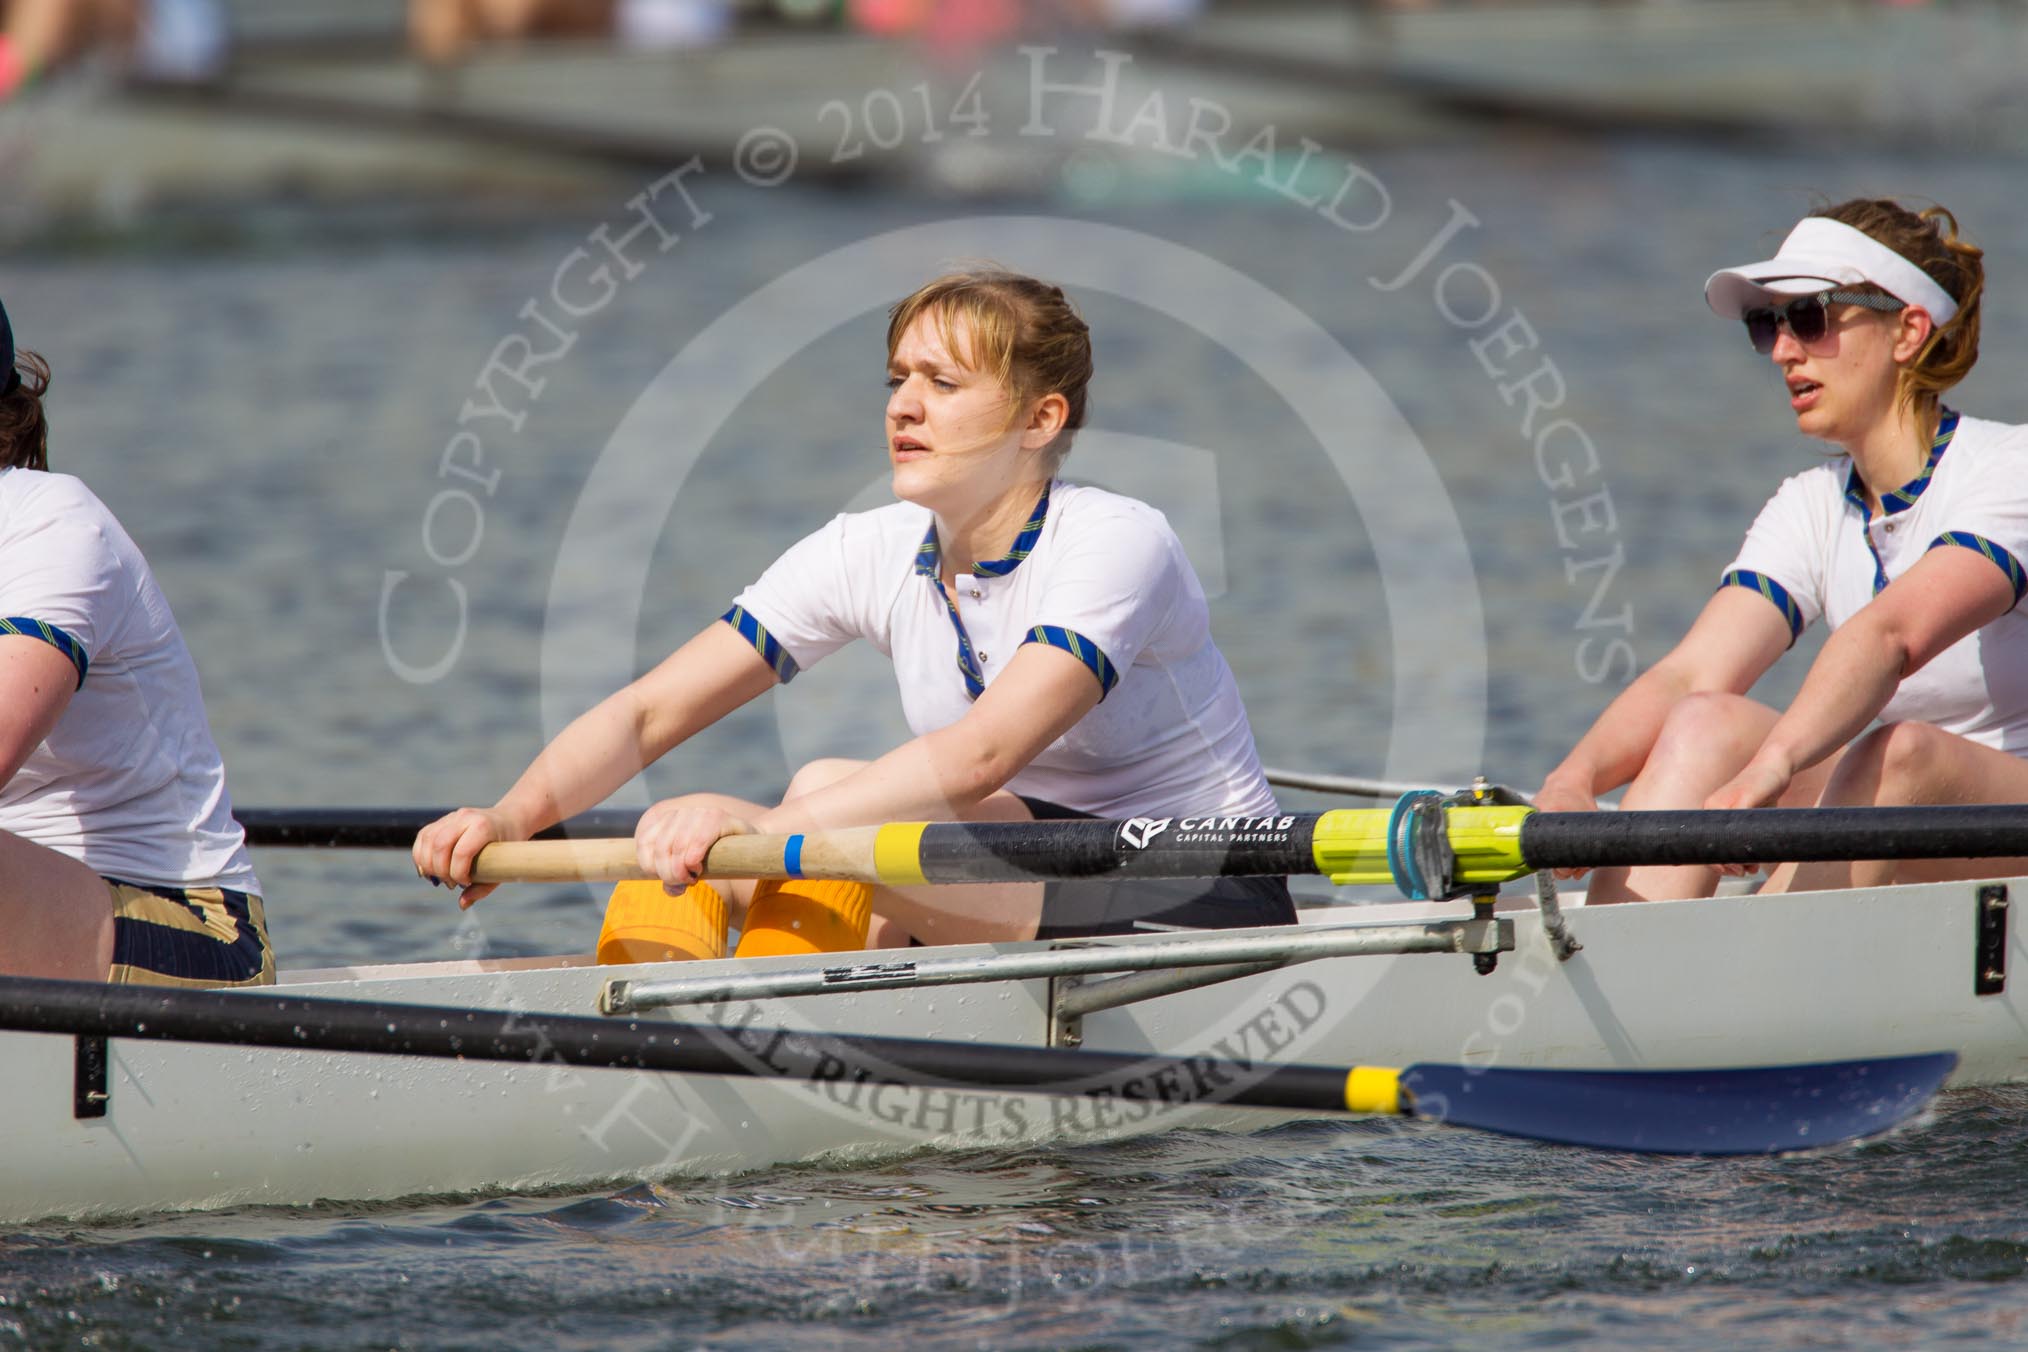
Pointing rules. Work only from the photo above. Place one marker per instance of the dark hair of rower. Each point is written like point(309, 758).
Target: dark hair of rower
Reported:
point(1929, 239)
point(1023, 331)
point(24, 427)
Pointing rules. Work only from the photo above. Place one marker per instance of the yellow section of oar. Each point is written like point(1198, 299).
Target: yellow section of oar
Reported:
point(1350, 844)
point(1487, 842)
point(897, 852)
point(1373, 1089)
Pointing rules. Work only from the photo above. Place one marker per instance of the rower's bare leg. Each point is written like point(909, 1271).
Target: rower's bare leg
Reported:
point(969, 913)
point(56, 915)
point(964, 914)
point(885, 933)
point(1904, 764)
point(1707, 739)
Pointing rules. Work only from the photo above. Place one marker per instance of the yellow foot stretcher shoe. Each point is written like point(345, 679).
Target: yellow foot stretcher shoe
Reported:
point(646, 924)
point(806, 915)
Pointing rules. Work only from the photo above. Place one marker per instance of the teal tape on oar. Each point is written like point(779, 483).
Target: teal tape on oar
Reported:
point(1401, 861)
point(1758, 1111)
point(792, 856)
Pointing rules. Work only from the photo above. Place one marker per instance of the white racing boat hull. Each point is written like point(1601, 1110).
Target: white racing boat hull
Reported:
point(1715, 983)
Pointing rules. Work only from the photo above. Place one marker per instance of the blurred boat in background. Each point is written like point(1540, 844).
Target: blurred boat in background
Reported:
point(327, 100)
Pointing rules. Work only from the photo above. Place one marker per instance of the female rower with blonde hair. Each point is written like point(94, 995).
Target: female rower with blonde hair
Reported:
point(1910, 544)
point(1052, 645)
point(119, 856)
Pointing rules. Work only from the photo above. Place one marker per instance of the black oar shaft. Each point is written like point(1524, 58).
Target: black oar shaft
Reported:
point(1773, 835)
point(496, 1035)
point(1163, 847)
point(1204, 847)
point(393, 828)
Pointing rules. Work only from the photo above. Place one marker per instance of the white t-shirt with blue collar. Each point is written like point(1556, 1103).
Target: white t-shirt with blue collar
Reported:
point(129, 781)
point(1817, 550)
point(1093, 573)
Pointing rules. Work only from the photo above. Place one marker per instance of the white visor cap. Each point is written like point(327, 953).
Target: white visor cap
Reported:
point(1820, 254)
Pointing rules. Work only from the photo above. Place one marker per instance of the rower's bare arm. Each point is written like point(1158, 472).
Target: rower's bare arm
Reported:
point(695, 686)
point(1736, 638)
point(1948, 594)
point(36, 682)
point(1040, 696)
point(935, 777)
point(701, 682)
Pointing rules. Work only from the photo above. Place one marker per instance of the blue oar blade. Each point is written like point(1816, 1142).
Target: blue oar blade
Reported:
point(1756, 1111)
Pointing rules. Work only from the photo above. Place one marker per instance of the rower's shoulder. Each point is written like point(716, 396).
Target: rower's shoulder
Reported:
point(1823, 483)
point(880, 525)
point(41, 489)
point(34, 502)
point(1982, 437)
point(1081, 505)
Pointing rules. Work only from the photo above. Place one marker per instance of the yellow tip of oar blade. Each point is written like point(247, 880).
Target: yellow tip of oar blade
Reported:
point(1373, 1089)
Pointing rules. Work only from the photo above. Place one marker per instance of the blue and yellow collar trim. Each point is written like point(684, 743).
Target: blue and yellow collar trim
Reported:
point(929, 556)
point(1903, 498)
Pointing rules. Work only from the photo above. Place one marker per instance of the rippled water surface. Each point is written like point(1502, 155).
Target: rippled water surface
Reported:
point(269, 423)
point(1305, 1236)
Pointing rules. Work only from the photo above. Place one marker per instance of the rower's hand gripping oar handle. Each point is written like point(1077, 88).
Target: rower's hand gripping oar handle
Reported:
point(847, 853)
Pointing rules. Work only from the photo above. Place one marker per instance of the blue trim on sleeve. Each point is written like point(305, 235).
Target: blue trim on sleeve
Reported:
point(2006, 562)
point(764, 643)
point(1772, 590)
point(54, 637)
point(1080, 647)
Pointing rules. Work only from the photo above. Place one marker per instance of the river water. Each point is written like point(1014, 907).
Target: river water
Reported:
point(1405, 583)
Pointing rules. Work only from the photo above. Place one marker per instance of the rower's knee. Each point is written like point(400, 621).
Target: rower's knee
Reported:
point(1896, 763)
point(1709, 722)
point(820, 774)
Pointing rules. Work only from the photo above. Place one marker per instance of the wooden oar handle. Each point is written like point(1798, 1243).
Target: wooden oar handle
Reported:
point(558, 861)
point(846, 853)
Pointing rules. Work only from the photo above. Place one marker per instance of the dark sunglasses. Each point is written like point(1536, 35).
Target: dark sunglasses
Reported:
point(1807, 317)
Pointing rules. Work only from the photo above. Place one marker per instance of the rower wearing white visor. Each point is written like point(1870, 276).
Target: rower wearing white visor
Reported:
point(1910, 545)
point(1052, 645)
point(119, 856)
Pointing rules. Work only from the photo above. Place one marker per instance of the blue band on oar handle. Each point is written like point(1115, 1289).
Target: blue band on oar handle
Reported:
point(792, 856)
